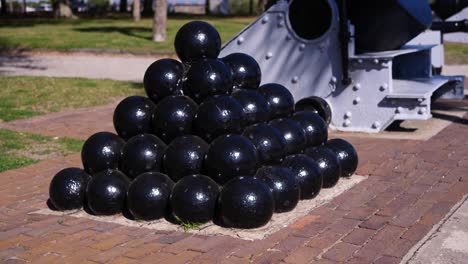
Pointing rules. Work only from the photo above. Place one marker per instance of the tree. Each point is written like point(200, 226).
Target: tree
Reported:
point(62, 9)
point(4, 7)
point(136, 10)
point(123, 6)
point(147, 7)
point(159, 21)
point(261, 6)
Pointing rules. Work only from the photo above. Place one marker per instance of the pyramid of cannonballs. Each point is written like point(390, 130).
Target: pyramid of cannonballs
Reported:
point(209, 143)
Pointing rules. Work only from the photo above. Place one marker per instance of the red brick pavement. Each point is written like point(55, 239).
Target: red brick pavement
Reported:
point(412, 186)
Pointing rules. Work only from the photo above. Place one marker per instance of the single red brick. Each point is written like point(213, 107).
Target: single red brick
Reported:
point(399, 248)
point(361, 213)
point(389, 232)
point(324, 240)
point(387, 260)
point(375, 222)
point(416, 232)
point(359, 236)
point(340, 252)
point(302, 255)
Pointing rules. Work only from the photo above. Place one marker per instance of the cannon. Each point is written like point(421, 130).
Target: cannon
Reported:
point(364, 63)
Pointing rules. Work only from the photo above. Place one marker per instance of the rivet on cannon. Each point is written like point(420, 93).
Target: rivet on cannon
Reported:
point(333, 79)
point(357, 100)
point(422, 111)
point(269, 55)
point(376, 61)
point(357, 86)
point(376, 125)
point(302, 47)
point(240, 40)
point(265, 20)
point(295, 79)
point(384, 87)
point(399, 110)
point(347, 123)
point(348, 115)
point(280, 16)
point(280, 23)
point(288, 38)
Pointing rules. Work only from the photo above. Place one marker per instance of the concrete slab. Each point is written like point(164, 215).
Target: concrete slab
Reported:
point(278, 221)
point(447, 242)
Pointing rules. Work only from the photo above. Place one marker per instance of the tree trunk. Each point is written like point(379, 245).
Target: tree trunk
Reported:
point(251, 7)
point(207, 7)
point(136, 10)
point(10, 7)
point(261, 6)
point(147, 7)
point(123, 6)
point(159, 21)
point(4, 7)
point(23, 7)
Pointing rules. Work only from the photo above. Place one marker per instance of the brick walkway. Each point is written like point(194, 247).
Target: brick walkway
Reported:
point(412, 186)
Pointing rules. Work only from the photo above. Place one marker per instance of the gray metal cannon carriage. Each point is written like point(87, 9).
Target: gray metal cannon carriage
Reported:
point(371, 61)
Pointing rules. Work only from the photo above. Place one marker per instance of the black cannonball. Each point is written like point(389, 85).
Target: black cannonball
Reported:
point(163, 78)
point(229, 156)
point(141, 154)
point(268, 140)
point(245, 70)
point(254, 106)
point(279, 98)
point(347, 155)
point(207, 78)
point(148, 195)
point(292, 133)
point(132, 116)
point(284, 186)
point(314, 127)
point(67, 189)
point(218, 116)
point(101, 151)
point(246, 202)
point(184, 156)
point(106, 192)
point(194, 198)
point(197, 40)
point(173, 117)
point(307, 173)
point(328, 164)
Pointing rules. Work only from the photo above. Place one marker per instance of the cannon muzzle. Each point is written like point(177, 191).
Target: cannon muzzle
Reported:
point(447, 8)
point(450, 26)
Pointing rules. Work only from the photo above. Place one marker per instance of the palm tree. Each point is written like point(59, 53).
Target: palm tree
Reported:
point(159, 21)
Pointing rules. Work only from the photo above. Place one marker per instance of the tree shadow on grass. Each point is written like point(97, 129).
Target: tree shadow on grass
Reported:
point(129, 31)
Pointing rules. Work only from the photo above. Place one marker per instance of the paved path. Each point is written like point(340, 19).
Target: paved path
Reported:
point(412, 185)
point(126, 68)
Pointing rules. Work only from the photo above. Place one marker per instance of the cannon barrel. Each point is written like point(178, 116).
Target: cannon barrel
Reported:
point(447, 8)
point(450, 26)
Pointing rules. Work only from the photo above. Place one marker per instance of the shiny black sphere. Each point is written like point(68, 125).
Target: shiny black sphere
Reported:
point(218, 116)
point(68, 187)
point(148, 195)
point(142, 153)
point(101, 151)
point(207, 78)
point(307, 173)
point(173, 117)
point(254, 106)
point(279, 98)
point(314, 127)
point(197, 40)
point(106, 192)
point(132, 116)
point(245, 70)
point(184, 156)
point(317, 105)
point(269, 142)
point(347, 155)
point(246, 202)
point(292, 133)
point(163, 78)
point(230, 156)
point(284, 186)
point(328, 164)
point(194, 198)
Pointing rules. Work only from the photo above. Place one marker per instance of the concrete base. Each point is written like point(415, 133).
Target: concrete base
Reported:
point(278, 221)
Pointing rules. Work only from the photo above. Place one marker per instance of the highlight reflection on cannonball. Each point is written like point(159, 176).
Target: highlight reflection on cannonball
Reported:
point(132, 116)
point(106, 192)
point(194, 198)
point(229, 156)
point(314, 127)
point(67, 189)
point(184, 156)
point(163, 78)
point(207, 78)
point(148, 195)
point(141, 154)
point(245, 70)
point(268, 140)
point(307, 174)
point(218, 116)
point(246, 202)
point(284, 186)
point(347, 155)
point(173, 117)
point(279, 98)
point(328, 164)
point(101, 151)
point(254, 106)
point(292, 133)
point(197, 40)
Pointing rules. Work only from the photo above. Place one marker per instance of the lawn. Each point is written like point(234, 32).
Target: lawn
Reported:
point(23, 97)
point(22, 149)
point(456, 53)
point(119, 34)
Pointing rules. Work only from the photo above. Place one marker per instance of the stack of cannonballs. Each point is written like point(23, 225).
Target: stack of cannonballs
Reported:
point(209, 143)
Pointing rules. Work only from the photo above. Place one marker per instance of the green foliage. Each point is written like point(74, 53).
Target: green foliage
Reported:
point(456, 53)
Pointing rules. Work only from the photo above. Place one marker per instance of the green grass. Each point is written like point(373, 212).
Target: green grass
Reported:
point(103, 34)
point(456, 53)
point(22, 97)
point(22, 149)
